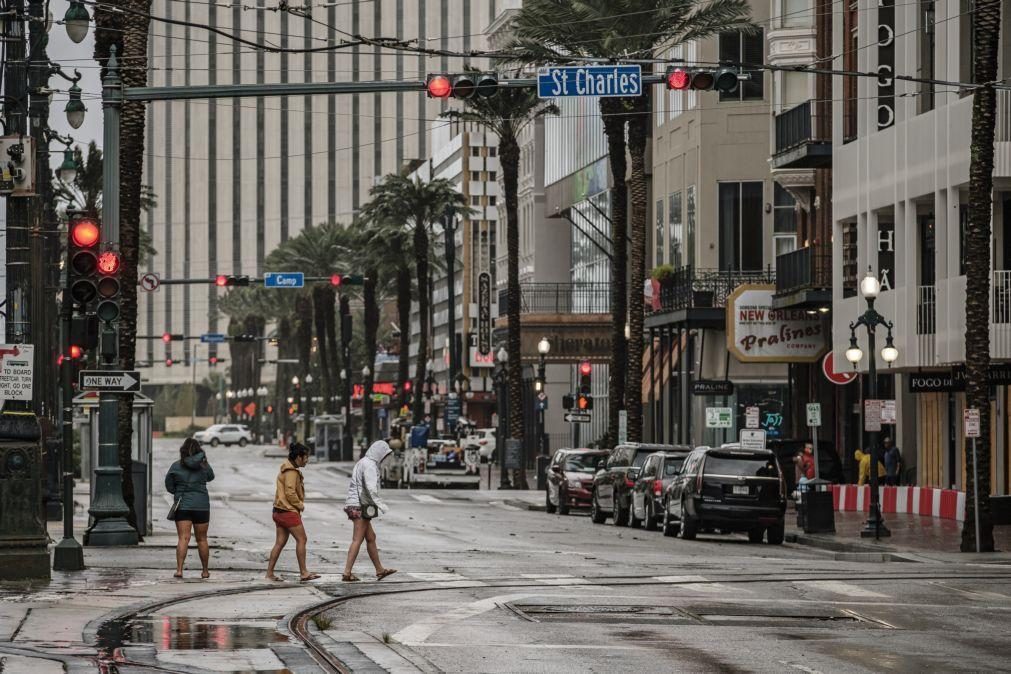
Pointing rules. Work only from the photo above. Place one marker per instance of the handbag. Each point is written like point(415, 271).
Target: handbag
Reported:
point(175, 506)
point(369, 508)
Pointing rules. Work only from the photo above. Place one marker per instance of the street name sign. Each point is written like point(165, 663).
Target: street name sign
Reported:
point(16, 368)
point(752, 438)
point(970, 419)
point(814, 414)
point(751, 417)
point(102, 380)
point(577, 417)
point(213, 338)
point(719, 417)
point(284, 279)
point(604, 81)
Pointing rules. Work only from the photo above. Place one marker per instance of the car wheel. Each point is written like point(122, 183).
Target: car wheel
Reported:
point(650, 521)
point(755, 535)
point(669, 528)
point(242, 442)
point(596, 516)
point(689, 525)
point(563, 503)
point(633, 521)
point(620, 516)
point(548, 505)
point(215, 442)
point(776, 533)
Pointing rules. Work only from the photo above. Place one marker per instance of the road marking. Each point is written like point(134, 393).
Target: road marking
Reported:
point(447, 579)
point(802, 668)
point(416, 634)
point(503, 505)
point(437, 575)
point(702, 585)
point(427, 498)
point(555, 579)
point(845, 589)
point(975, 594)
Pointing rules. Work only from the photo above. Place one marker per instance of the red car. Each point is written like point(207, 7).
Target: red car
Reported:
point(570, 479)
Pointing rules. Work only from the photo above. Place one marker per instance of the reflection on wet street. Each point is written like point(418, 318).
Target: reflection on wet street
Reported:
point(176, 633)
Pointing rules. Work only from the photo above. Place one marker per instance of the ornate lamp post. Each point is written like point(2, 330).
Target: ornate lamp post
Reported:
point(301, 407)
point(308, 400)
point(502, 394)
point(543, 348)
point(871, 320)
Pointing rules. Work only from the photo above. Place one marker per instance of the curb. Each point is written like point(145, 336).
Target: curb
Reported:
point(525, 505)
point(887, 553)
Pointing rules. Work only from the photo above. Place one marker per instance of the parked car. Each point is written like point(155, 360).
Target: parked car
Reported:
point(224, 434)
point(830, 465)
point(482, 439)
point(612, 484)
point(657, 474)
point(730, 489)
point(570, 478)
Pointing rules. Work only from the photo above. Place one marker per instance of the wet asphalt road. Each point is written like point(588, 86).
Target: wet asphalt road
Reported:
point(486, 586)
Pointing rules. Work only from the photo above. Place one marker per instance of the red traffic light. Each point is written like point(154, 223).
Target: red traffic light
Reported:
point(439, 86)
point(678, 79)
point(75, 352)
point(585, 368)
point(84, 233)
point(221, 280)
point(168, 362)
point(166, 337)
point(213, 360)
point(584, 403)
point(335, 279)
point(108, 262)
point(407, 385)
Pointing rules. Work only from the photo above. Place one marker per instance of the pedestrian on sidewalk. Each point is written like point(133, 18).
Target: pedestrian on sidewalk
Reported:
point(362, 506)
point(864, 460)
point(187, 480)
point(893, 462)
point(806, 464)
point(289, 502)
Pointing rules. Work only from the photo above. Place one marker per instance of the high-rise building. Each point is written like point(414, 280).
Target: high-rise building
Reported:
point(234, 178)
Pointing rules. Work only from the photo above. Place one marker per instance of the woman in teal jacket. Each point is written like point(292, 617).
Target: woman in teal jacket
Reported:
point(187, 481)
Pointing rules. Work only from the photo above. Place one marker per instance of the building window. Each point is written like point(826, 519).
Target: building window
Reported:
point(795, 13)
point(475, 200)
point(737, 47)
point(492, 151)
point(740, 217)
point(784, 212)
point(658, 233)
point(492, 200)
point(849, 259)
point(475, 152)
point(925, 37)
point(851, 52)
point(690, 226)
point(674, 236)
point(492, 176)
point(475, 175)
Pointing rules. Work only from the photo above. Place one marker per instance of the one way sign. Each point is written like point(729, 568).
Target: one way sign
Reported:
point(109, 381)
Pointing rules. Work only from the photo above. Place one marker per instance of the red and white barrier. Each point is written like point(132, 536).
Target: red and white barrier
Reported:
point(946, 504)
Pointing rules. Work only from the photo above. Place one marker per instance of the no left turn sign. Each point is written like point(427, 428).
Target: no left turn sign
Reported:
point(149, 282)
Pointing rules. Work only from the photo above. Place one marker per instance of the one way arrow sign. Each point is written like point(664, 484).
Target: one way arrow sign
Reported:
point(109, 381)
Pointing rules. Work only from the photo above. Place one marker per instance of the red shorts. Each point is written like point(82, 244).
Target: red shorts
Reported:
point(287, 519)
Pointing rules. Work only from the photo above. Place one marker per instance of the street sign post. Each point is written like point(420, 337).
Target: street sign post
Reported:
point(751, 415)
point(16, 369)
point(888, 412)
point(814, 422)
point(719, 417)
point(605, 81)
point(281, 279)
point(872, 416)
point(149, 282)
point(834, 376)
point(971, 421)
point(752, 438)
point(213, 338)
point(109, 380)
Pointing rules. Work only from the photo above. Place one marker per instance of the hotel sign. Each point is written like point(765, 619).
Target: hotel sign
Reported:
point(758, 333)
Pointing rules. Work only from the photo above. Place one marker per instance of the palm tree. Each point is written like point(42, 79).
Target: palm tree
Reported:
point(977, 256)
point(418, 204)
point(613, 30)
point(506, 114)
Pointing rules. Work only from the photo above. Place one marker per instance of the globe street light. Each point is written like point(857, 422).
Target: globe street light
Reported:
point(68, 169)
point(76, 21)
point(541, 403)
point(75, 107)
point(502, 395)
point(870, 287)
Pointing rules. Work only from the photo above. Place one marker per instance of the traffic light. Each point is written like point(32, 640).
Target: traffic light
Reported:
point(461, 85)
point(168, 362)
point(345, 311)
point(683, 79)
point(568, 401)
point(84, 235)
point(584, 402)
point(212, 361)
point(172, 337)
point(109, 264)
point(244, 338)
point(337, 280)
point(84, 331)
point(222, 280)
point(585, 375)
point(75, 352)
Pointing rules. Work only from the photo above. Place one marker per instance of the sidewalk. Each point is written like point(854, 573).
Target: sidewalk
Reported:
point(910, 534)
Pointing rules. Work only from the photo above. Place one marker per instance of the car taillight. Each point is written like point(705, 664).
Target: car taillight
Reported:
point(657, 487)
point(629, 482)
point(482, 442)
point(698, 483)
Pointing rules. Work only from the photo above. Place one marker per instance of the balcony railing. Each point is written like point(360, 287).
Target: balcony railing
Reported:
point(926, 324)
point(800, 140)
point(561, 298)
point(803, 269)
point(690, 288)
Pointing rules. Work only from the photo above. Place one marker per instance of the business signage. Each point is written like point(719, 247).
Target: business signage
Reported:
point(484, 313)
point(705, 387)
point(759, 333)
point(953, 380)
point(478, 359)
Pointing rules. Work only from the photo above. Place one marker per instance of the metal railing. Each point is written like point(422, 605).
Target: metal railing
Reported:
point(926, 324)
point(690, 288)
point(561, 298)
point(1000, 297)
point(1002, 132)
point(803, 268)
point(796, 126)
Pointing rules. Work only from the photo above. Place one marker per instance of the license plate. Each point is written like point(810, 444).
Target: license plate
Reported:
point(741, 490)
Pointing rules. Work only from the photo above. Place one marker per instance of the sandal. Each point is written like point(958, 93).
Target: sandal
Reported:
point(177, 575)
point(274, 578)
point(385, 572)
point(350, 578)
point(311, 576)
point(205, 574)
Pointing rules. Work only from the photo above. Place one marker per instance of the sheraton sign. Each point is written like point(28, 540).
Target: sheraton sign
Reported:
point(758, 333)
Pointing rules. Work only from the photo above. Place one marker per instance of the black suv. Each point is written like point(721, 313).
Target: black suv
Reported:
point(656, 475)
point(729, 489)
point(611, 493)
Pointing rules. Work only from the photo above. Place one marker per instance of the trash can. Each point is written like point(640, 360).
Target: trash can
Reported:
point(542, 471)
point(816, 514)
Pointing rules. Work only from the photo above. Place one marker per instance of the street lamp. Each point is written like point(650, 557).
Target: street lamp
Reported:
point(76, 21)
point(307, 396)
point(75, 107)
point(68, 169)
point(541, 401)
point(502, 395)
point(870, 287)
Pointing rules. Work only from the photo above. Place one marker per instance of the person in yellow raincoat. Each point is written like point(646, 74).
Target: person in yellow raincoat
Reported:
point(865, 467)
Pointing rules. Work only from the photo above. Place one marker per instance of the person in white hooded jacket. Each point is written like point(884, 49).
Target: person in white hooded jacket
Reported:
point(362, 505)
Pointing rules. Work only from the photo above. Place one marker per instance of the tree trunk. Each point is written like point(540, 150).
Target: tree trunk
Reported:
point(613, 111)
point(977, 282)
point(371, 320)
point(424, 301)
point(638, 136)
point(509, 156)
point(321, 296)
point(404, 319)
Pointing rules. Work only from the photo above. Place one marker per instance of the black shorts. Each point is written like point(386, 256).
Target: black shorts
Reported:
point(195, 516)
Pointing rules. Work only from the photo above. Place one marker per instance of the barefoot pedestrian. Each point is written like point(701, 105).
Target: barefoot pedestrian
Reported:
point(289, 502)
point(362, 506)
point(187, 481)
